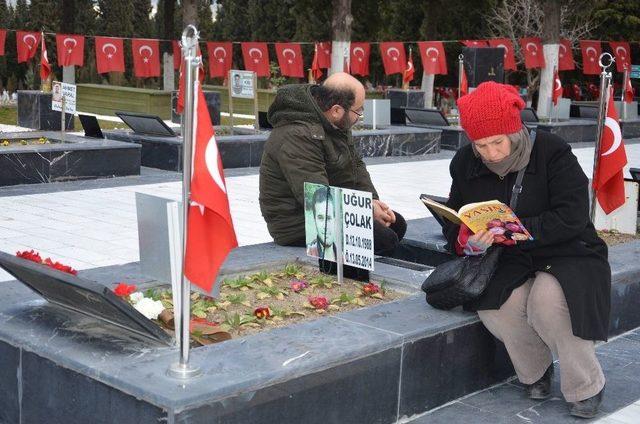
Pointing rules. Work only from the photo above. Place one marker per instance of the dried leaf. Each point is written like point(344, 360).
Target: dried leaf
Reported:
point(360, 302)
point(246, 303)
point(280, 296)
point(244, 288)
point(308, 305)
point(377, 295)
point(262, 295)
point(200, 314)
point(268, 282)
point(276, 318)
point(334, 307)
point(302, 314)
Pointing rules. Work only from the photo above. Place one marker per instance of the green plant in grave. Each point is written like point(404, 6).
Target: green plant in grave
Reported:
point(293, 271)
point(266, 292)
point(235, 321)
point(322, 281)
point(239, 283)
point(238, 299)
point(347, 299)
point(203, 306)
point(279, 314)
point(262, 277)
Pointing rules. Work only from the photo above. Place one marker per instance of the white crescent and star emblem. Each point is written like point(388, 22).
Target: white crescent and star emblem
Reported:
point(623, 55)
point(293, 54)
point(433, 58)
point(359, 49)
point(613, 125)
point(220, 58)
point(592, 58)
point(211, 159)
point(71, 40)
point(255, 59)
point(393, 49)
point(563, 50)
point(29, 37)
point(506, 49)
point(104, 50)
point(558, 84)
point(534, 50)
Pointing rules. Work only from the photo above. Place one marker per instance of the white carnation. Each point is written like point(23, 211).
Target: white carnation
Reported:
point(136, 297)
point(149, 308)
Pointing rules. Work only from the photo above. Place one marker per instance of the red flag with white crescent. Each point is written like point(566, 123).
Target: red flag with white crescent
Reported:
point(565, 56)
point(27, 45)
point(628, 88)
point(407, 75)
point(177, 54)
point(45, 66)
point(434, 61)
point(316, 71)
point(256, 58)
point(3, 37)
point(220, 58)
point(622, 52)
point(70, 49)
point(290, 59)
point(591, 51)
point(608, 179)
point(324, 54)
point(109, 54)
point(475, 43)
point(533, 53)
point(359, 59)
point(146, 57)
point(210, 232)
point(509, 56)
point(557, 88)
point(393, 57)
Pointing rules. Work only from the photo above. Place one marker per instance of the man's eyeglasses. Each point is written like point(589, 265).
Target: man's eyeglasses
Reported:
point(359, 114)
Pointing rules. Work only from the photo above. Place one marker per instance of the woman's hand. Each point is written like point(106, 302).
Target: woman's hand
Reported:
point(479, 242)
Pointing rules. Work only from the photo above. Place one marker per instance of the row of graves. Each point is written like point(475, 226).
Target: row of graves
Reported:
point(276, 339)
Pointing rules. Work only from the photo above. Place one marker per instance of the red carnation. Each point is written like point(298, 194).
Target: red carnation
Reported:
point(262, 312)
point(319, 302)
point(370, 288)
point(123, 289)
point(60, 267)
point(30, 255)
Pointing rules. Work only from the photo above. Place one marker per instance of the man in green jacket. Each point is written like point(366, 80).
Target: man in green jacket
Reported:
point(311, 142)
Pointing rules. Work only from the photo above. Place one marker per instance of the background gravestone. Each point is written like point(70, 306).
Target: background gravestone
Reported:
point(34, 111)
point(213, 104)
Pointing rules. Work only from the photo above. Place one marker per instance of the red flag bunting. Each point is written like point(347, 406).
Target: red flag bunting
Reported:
point(407, 75)
point(324, 54)
point(177, 54)
point(146, 57)
point(256, 58)
point(109, 54)
point(394, 57)
point(3, 37)
point(565, 56)
point(434, 61)
point(70, 49)
point(475, 43)
point(290, 59)
point(220, 59)
point(533, 54)
point(628, 88)
point(359, 59)
point(316, 71)
point(27, 45)
point(464, 84)
point(608, 180)
point(509, 57)
point(591, 51)
point(557, 88)
point(210, 232)
point(45, 66)
point(622, 53)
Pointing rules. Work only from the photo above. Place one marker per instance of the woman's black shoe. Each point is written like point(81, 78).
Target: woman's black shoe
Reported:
point(541, 389)
point(587, 408)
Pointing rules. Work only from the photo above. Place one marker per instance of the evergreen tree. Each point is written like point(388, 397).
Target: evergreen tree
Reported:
point(617, 20)
point(141, 20)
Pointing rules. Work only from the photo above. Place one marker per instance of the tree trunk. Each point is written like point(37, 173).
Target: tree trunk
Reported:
point(341, 30)
point(68, 26)
point(550, 45)
point(427, 86)
point(168, 80)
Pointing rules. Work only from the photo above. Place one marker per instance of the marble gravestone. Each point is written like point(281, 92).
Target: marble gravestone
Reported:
point(87, 297)
point(406, 98)
point(213, 104)
point(34, 111)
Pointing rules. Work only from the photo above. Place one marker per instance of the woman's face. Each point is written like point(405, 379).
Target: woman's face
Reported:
point(494, 148)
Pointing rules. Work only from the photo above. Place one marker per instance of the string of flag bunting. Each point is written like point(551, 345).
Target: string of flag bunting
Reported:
point(109, 53)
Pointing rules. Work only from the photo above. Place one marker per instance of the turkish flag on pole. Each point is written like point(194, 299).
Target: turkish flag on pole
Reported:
point(464, 84)
point(532, 51)
point(27, 45)
point(557, 88)
point(475, 43)
point(565, 56)
point(290, 59)
point(210, 232)
point(177, 54)
point(359, 59)
point(407, 75)
point(146, 57)
point(608, 180)
point(628, 88)
point(70, 50)
point(3, 37)
point(324, 54)
point(434, 61)
point(394, 57)
point(316, 71)
point(622, 53)
point(591, 51)
point(256, 58)
point(109, 54)
point(45, 66)
point(220, 58)
point(509, 57)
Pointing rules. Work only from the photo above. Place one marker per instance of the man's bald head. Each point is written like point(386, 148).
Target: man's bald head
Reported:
point(341, 98)
point(343, 81)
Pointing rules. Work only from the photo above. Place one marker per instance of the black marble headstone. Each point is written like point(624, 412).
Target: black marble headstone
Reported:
point(483, 64)
point(213, 104)
point(34, 111)
point(406, 98)
point(80, 295)
point(425, 117)
point(144, 124)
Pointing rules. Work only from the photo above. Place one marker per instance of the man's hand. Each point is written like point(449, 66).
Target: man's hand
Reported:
point(383, 213)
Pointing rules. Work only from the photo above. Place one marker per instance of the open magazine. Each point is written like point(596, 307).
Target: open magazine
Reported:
point(491, 215)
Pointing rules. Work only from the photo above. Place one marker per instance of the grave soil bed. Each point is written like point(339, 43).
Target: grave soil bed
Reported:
point(27, 141)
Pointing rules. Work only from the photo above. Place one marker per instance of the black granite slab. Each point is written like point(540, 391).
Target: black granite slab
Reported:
point(630, 128)
point(78, 157)
point(572, 131)
point(34, 111)
point(406, 98)
point(213, 105)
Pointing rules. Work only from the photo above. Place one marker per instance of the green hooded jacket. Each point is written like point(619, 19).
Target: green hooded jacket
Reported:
point(303, 147)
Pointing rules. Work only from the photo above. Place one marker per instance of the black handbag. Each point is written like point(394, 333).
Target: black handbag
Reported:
point(465, 278)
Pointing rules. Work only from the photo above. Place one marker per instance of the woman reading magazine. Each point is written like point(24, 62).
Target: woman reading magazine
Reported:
point(550, 295)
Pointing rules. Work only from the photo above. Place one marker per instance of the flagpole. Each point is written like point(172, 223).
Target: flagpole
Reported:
point(182, 369)
point(605, 83)
point(624, 89)
point(460, 71)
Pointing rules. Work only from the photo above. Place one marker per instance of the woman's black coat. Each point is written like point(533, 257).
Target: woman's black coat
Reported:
point(554, 207)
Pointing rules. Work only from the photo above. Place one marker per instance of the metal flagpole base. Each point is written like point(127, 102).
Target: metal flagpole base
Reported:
point(183, 371)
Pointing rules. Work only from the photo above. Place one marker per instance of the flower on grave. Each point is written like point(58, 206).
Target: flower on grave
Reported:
point(23, 142)
point(199, 322)
point(60, 267)
point(124, 290)
point(5, 143)
point(262, 312)
point(319, 302)
point(298, 285)
point(149, 308)
point(42, 140)
point(30, 255)
point(370, 289)
point(136, 297)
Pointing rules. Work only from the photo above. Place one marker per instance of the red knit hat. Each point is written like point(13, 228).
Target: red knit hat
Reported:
point(491, 109)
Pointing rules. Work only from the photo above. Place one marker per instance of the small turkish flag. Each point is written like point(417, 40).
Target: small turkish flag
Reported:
point(565, 56)
point(557, 88)
point(622, 53)
point(316, 71)
point(464, 84)
point(290, 59)
point(3, 37)
point(220, 59)
point(70, 50)
point(256, 58)
point(533, 54)
point(146, 57)
point(628, 88)
point(394, 57)
point(407, 75)
point(434, 61)
point(177, 54)
point(359, 59)
point(109, 54)
point(27, 45)
point(324, 54)
point(475, 43)
point(608, 180)
point(590, 56)
point(210, 232)
point(509, 57)
point(45, 66)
